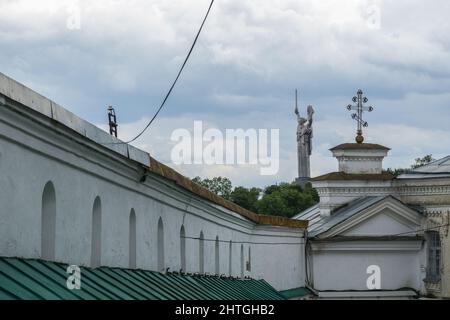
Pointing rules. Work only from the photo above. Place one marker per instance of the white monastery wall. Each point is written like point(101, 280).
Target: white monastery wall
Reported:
point(37, 152)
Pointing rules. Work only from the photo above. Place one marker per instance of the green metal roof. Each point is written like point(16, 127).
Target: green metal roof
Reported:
point(23, 279)
point(296, 293)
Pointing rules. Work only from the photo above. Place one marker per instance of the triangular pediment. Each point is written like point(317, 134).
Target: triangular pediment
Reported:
point(388, 217)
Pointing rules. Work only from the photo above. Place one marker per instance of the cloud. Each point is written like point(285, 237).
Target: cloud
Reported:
point(406, 143)
point(249, 58)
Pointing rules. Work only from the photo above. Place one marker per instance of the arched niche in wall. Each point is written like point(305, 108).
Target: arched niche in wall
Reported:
point(183, 248)
point(132, 241)
point(161, 262)
point(242, 260)
point(249, 264)
point(201, 253)
point(48, 222)
point(217, 256)
point(96, 236)
point(230, 259)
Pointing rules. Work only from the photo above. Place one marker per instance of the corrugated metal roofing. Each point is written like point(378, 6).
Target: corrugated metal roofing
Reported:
point(23, 279)
point(296, 293)
point(312, 215)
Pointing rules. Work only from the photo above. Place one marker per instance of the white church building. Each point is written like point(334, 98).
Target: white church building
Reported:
point(374, 235)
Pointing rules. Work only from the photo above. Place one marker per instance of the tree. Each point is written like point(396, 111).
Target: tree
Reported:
point(246, 198)
point(285, 200)
point(398, 171)
point(419, 162)
point(422, 161)
point(273, 204)
point(218, 185)
point(312, 192)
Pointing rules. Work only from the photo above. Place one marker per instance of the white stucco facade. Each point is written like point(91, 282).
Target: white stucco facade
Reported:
point(368, 218)
point(43, 145)
point(365, 161)
point(342, 256)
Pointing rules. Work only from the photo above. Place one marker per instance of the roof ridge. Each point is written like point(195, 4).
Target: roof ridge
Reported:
point(358, 146)
point(341, 175)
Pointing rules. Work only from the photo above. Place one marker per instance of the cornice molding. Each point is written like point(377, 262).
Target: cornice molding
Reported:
point(394, 245)
point(359, 158)
point(394, 190)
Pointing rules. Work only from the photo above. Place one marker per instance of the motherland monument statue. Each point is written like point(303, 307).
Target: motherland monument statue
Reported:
point(304, 143)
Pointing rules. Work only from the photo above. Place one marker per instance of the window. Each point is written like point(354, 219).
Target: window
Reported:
point(201, 251)
point(132, 240)
point(434, 257)
point(161, 263)
point(217, 260)
point(96, 236)
point(183, 248)
point(48, 222)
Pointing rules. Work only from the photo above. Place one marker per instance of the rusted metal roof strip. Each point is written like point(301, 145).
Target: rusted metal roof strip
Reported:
point(169, 173)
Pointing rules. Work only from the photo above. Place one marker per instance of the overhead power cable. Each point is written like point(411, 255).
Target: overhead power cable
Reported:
point(244, 242)
point(177, 77)
point(423, 230)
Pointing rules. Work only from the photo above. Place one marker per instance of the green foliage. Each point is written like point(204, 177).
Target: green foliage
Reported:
point(422, 161)
point(283, 199)
point(246, 198)
point(218, 185)
point(313, 192)
point(286, 200)
point(419, 162)
point(273, 204)
point(398, 171)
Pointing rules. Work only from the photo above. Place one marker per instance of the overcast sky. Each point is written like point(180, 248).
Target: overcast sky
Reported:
point(243, 72)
